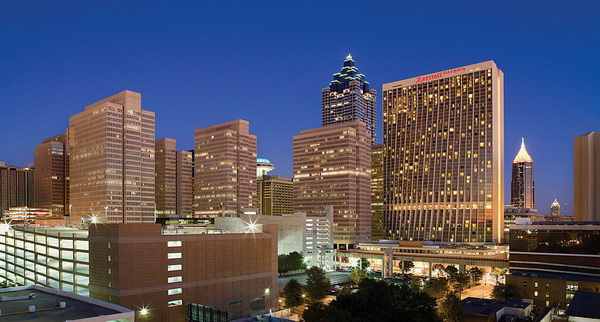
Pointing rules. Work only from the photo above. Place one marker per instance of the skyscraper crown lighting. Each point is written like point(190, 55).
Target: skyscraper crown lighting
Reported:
point(522, 156)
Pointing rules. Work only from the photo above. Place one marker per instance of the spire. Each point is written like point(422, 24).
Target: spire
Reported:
point(349, 57)
point(522, 156)
point(555, 203)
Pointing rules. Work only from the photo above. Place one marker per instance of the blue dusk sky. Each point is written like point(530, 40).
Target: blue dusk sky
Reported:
point(200, 63)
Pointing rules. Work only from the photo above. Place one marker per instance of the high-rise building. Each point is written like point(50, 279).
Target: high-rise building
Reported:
point(275, 195)
point(377, 157)
point(348, 98)
point(555, 209)
point(332, 166)
point(185, 186)
point(166, 178)
point(263, 166)
point(112, 161)
point(586, 190)
point(522, 186)
point(443, 171)
point(52, 174)
point(15, 187)
point(224, 169)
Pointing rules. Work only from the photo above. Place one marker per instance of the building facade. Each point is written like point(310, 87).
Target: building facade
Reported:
point(332, 166)
point(224, 169)
point(16, 187)
point(377, 157)
point(443, 171)
point(166, 178)
point(586, 187)
point(185, 185)
point(522, 186)
point(555, 209)
point(275, 195)
point(51, 174)
point(551, 261)
point(112, 161)
point(349, 98)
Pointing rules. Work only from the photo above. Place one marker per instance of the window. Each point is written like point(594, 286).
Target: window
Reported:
point(173, 255)
point(535, 293)
point(547, 285)
point(174, 291)
point(174, 279)
point(524, 284)
point(177, 267)
point(233, 303)
point(572, 287)
point(535, 284)
point(547, 294)
point(174, 303)
point(176, 243)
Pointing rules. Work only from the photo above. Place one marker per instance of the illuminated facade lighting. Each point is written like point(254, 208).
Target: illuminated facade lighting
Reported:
point(522, 185)
point(443, 143)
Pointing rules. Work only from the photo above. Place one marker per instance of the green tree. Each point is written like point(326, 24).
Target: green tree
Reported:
point(451, 309)
point(290, 262)
point(460, 281)
point(364, 263)
point(317, 283)
point(292, 291)
point(437, 288)
point(499, 271)
point(440, 268)
point(357, 275)
point(408, 265)
point(450, 271)
point(502, 291)
point(317, 312)
point(344, 291)
point(476, 275)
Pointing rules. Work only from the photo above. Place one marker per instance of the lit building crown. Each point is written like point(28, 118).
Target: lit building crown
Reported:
point(522, 156)
point(555, 203)
point(348, 73)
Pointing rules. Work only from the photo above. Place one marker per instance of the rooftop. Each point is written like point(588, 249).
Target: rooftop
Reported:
point(585, 304)
point(47, 305)
point(473, 305)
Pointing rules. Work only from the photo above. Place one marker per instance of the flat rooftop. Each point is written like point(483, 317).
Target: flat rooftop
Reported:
point(473, 305)
point(18, 310)
point(585, 304)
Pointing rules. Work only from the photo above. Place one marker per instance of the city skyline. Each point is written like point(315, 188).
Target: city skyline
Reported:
point(186, 87)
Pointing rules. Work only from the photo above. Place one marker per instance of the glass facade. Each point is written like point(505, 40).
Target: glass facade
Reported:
point(562, 241)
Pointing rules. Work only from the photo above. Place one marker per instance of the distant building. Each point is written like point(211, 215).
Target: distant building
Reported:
point(444, 162)
point(478, 309)
point(332, 166)
point(112, 161)
point(16, 187)
point(224, 169)
point(522, 186)
point(586, 179)
point(275, 195)
point(349, 98)
point(377, 157)
point(166, 178)
point(555, 209)
point(513, 215)
point(184, 176)
point(263, 166)
point(33, 216)
point(584, 307)
point(39, 303)
point(551, 261)
point(51, 174)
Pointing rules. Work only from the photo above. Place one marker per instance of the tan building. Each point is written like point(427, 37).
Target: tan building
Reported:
point(377, 157)
point(332, 166)
point(52, 174)
point(166, 178)
point(224, 169)
point(275, 195)
point(586, 188)
point(112, 161)
point(444, 143)
point(184, 182)
point(156, 271)
point(16, 187)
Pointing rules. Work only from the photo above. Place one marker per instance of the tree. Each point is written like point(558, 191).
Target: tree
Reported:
point(364, 263)
point(408, 265)
point(460, 281)
point(292, 291)
point(499, 271)
point(439, 267)
point(317, 283)
point(357, 275)
point(290, 262)
point(476, 275)
point(502, 291)
point(451, 309)
point(437, 288)
point(450, 271)
point(377, 301)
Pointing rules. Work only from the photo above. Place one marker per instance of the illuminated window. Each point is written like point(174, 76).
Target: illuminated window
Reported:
point(177, 267)
point(174, 303)
point(174, 291)
point(174, 243)
point(174, 255)
point(174, 279)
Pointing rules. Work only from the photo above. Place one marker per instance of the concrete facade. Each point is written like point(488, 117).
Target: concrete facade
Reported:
point(275, 195)
point(586, 178)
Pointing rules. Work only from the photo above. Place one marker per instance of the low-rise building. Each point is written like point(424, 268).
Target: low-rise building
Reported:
point(477, 309)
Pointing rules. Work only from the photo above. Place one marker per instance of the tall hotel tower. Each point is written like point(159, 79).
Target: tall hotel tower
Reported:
point(348, 98)
point(522, 193)
point(112, 161)
point(443, 171)
point(586, 178)
point(224, 169)
point(332, 166)
point(51, 174)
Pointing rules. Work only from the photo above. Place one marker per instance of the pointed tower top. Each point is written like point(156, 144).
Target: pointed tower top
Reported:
point(522, 156)
point(555, 203)
point(349, 57)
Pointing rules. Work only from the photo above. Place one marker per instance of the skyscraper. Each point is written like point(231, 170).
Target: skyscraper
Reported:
point(586, 192)
point(166, 178)
point(112, 161)
point(555, 209)
point(377, 157)
point(443, 171)
point(52, 174)
point(275, 195)
point(522, 186)
point(348, 98)
point(332, 166)
point(224, 169)
point(263, 166)
point(15, 187)
point(185, 185)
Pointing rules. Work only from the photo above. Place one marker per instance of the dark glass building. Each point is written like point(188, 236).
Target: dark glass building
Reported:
point(348, 98)
point(522, 186)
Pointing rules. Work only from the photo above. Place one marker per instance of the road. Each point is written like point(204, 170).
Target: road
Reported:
point(479, 291)
point(334, 277)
